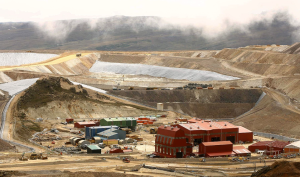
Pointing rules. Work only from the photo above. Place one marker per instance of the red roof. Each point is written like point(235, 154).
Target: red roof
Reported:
point(170, 131)
point(277, 144)
point(240, 150)
point(243, 130)
point(216, 154)
point(217, 143)
point(203, 125)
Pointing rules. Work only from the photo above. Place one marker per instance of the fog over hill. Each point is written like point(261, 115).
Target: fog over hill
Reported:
point(144, 33)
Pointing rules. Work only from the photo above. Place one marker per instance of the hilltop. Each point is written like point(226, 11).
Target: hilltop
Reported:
point(147, 33)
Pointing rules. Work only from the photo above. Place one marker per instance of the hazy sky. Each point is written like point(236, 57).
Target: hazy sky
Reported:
point(178, 11)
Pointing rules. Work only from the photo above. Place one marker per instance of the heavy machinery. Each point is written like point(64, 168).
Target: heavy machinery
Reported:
point(126, 160)
point(41, 156)
point(23, 158)
point(127, 130)
point(33, 157)
point(153, 130)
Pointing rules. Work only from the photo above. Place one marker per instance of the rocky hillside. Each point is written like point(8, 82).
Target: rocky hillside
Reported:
point(52, 97)
point(279, 168)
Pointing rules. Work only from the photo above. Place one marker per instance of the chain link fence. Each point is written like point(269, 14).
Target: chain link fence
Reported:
point(274, 136)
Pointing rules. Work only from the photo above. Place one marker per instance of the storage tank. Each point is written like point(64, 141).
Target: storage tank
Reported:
point(75, 140)
point(160, 106)
point(97, 140)
point(83, 142)
point(71, 140)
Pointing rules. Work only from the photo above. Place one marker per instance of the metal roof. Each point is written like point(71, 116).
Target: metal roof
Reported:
point(277, 144)
point(243, 130)
point(170, 128)
point(295, 145)
point(93, 147)
point(203, 125)
point(240, 150)
point(108, 133)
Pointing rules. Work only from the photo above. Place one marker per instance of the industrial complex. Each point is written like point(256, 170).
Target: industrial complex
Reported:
point(161, 124)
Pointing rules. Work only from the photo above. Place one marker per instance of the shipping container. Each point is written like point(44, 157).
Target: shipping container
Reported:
point(110, 142)
point(122, 122)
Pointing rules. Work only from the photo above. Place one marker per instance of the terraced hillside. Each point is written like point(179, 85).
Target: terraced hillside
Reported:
point(219, 103)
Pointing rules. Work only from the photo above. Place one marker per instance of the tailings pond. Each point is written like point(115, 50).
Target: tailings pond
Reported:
point(158, 71)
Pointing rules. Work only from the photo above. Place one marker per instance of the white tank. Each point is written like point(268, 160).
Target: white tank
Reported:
point(160, 106)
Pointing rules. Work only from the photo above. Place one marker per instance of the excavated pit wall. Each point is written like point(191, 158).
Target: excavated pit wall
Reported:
point(262, 62)
point(203, 103)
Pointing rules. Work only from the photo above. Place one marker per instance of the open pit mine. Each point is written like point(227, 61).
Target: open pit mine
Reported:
point(229, 112)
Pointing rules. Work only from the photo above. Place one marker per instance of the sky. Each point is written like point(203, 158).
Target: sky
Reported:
point(187, 12)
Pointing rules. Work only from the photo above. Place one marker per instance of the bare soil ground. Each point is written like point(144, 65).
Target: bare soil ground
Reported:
point(277, 112)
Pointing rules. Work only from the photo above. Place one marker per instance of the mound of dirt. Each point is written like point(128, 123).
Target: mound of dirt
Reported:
point(4, 146)
point(48, 89)
point(53, 97)
point(281, 168)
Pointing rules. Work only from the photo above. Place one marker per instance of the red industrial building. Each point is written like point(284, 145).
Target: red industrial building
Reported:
point(144, 120)
point(85, 124)
point(245, 135)
point(271, 147)
point(214, 139)
point(208, 131)
point(171, 142)
point(216, 149)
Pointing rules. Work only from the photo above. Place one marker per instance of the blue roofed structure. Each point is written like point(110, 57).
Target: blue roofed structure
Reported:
point(90, 132)
point(112, 134)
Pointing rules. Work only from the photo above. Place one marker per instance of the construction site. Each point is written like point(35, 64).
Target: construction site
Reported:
point(229, 112)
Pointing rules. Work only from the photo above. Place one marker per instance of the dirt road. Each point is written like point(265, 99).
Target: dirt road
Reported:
point(113, 164)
